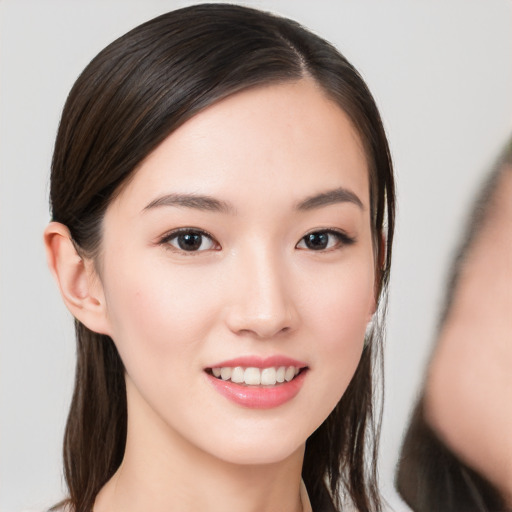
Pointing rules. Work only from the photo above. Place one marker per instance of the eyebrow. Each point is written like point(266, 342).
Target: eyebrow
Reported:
point(197, 201)
point(212, 204)
point(337, 195)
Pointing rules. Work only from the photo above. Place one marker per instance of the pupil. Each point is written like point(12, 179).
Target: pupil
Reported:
point(317, 240)
point(190, 241)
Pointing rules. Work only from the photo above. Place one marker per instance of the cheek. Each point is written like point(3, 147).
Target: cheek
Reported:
point(343, 303)
point(339, 312)
point(153, 314)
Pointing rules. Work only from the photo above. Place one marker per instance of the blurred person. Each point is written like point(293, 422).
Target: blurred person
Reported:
point(457, 453)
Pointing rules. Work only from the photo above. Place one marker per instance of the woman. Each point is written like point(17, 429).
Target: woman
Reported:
point(223, 210)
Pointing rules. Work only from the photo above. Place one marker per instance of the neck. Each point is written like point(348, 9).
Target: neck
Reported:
point(162, 471)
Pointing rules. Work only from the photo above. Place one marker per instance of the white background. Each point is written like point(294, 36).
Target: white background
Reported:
point(441, 73)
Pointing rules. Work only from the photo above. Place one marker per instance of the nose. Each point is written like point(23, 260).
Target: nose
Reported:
point(262, 303)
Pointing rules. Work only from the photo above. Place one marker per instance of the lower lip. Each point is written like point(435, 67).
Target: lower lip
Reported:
point(258, 397)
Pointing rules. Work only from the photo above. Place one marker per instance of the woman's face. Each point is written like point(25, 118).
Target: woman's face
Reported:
point(243, 241)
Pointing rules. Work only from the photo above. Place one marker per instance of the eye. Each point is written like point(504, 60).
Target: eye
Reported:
point(189, 240)
point(324, 240)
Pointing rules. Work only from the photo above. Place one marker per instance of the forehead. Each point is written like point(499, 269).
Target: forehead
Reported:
point(287, 138)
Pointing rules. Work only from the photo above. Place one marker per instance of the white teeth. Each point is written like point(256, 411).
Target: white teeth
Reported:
point(290, 373)
point(268, 377)
point(252, 376)
point(225, 373)
point(237, 375)
point(256, 376)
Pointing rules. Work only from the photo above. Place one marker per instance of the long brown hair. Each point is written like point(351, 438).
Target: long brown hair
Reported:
point(130, 97)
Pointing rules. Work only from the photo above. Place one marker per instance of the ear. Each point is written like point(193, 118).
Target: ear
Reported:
point(78, 281)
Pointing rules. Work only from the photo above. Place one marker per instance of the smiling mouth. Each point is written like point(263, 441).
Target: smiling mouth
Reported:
point(250, 376)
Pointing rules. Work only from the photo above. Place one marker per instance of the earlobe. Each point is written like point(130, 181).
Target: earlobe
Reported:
point(80, 286)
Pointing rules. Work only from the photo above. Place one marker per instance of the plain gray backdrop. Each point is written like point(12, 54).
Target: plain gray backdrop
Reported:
point(441, 73)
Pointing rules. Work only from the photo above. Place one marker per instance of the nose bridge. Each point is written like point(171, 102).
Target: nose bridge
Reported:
point(263, 302)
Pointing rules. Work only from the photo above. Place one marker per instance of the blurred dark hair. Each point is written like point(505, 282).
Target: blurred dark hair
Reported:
point(430, 477)
point(130, 97)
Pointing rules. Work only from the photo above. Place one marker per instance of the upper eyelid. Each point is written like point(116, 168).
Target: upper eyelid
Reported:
point(336, 231)
point(176, 231)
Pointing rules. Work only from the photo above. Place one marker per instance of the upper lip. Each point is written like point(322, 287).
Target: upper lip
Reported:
point(260, 362)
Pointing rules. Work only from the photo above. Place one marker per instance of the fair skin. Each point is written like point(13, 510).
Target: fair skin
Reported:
point(469, 381)
point(254, 286)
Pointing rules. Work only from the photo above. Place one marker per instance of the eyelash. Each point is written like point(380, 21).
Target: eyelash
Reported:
point(342, 239)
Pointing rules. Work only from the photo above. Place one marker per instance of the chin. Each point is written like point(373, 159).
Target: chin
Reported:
point(257, 455)
point(257, 448)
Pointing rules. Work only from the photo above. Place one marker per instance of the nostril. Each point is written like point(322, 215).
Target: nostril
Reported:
point(261, 315)
point(264, 331)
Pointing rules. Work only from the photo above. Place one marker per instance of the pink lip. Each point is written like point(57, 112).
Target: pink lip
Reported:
point(260, 362)
point(259, 397)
